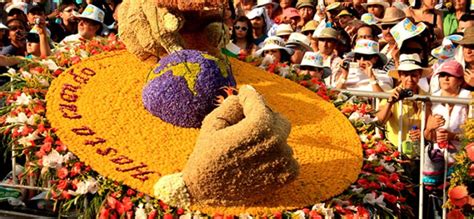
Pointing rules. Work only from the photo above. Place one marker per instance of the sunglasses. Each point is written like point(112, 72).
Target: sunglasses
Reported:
point(445, 74)
point(309, 68)
point(237, 27)
point(15, 28)
point(412, 50)
point(387, 26)
point(363, 57)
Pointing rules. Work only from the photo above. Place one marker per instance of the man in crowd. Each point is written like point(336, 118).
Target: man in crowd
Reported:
point(90, 25)
point(68, 23)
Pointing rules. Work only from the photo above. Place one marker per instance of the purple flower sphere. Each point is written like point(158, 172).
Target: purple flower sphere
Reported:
point(183, 88)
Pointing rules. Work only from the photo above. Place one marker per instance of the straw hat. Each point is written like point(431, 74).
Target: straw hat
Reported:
point(328, 33)
point(310, 26)
point(273, 42)
point(315, 59)
point(334, 6)
point(344, 13)
point(405, 30)
point(299, 39)
point(410, 62)
point(284, 30)
point(304, 3)
point(468, 37)
point(376, 2)
point(108, 128)
point(392, 15)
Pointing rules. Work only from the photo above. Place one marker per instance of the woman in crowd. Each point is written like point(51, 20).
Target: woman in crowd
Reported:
point(242, 35)
point(260, 25)
point(370, 61)
point(443, 127)
point(426, 13)
point(392, 16)
point(408, 74)
point(275, 54)
point(451, 20)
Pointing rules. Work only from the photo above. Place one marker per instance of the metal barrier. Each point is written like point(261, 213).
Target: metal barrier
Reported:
point(423, 99)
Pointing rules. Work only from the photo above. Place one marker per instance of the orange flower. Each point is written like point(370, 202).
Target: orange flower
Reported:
point(455, 214)
point(471, 171)
point(458, 196)
point(470, 151)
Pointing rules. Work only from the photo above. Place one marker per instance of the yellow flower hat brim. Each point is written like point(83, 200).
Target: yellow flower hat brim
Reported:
point(96, 107)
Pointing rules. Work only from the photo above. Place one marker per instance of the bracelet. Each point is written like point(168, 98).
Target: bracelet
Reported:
point(373, 82)
point(341, 80)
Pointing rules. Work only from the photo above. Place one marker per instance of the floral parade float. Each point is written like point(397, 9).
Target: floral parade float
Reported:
point(103, 152)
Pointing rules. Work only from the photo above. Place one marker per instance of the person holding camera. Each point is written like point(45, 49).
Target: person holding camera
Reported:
point(37, 40)
point(408, 74)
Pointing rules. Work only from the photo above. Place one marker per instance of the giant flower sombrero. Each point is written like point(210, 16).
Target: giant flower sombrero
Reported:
point(97, 109)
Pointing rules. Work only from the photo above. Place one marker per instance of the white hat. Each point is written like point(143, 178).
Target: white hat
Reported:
point(314, 59)
point(409, 62)
point(299, 39)
point(273, 42)
point(405, 29)
point(284, 29)
point(369, 19)
point(92, 12)
point(2, 26)
point(18, 5)
point(367, 47)
point(376, 2)
point(262, 3)
point(256, 12)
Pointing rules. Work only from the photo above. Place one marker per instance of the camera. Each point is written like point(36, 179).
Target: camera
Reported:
point(345, 64)
point(38, 21)
point(404, 93)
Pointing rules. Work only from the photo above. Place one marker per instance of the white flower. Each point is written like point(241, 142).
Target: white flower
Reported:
point(11, 71)
point(21, 119)
point(23, 99)
point(186, 216)
point(53, 159)
point(388, 167)
point(245, 216)
point(140, 212)
point(50, 64)
point(363, 138)
point(171, 189)
point(298, 215)
point(370, 199)
point(26, 141)
point(88, 186)
point(372, 157)
point(43, 82)
point(83, 54)
point(357, 190)
point(26, 74)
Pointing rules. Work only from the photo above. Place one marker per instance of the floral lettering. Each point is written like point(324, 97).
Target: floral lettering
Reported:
point(121, 160)
point(95, 142)
point(84, 130)
point(68, 92)
point(72, 109)
point(106, 152)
